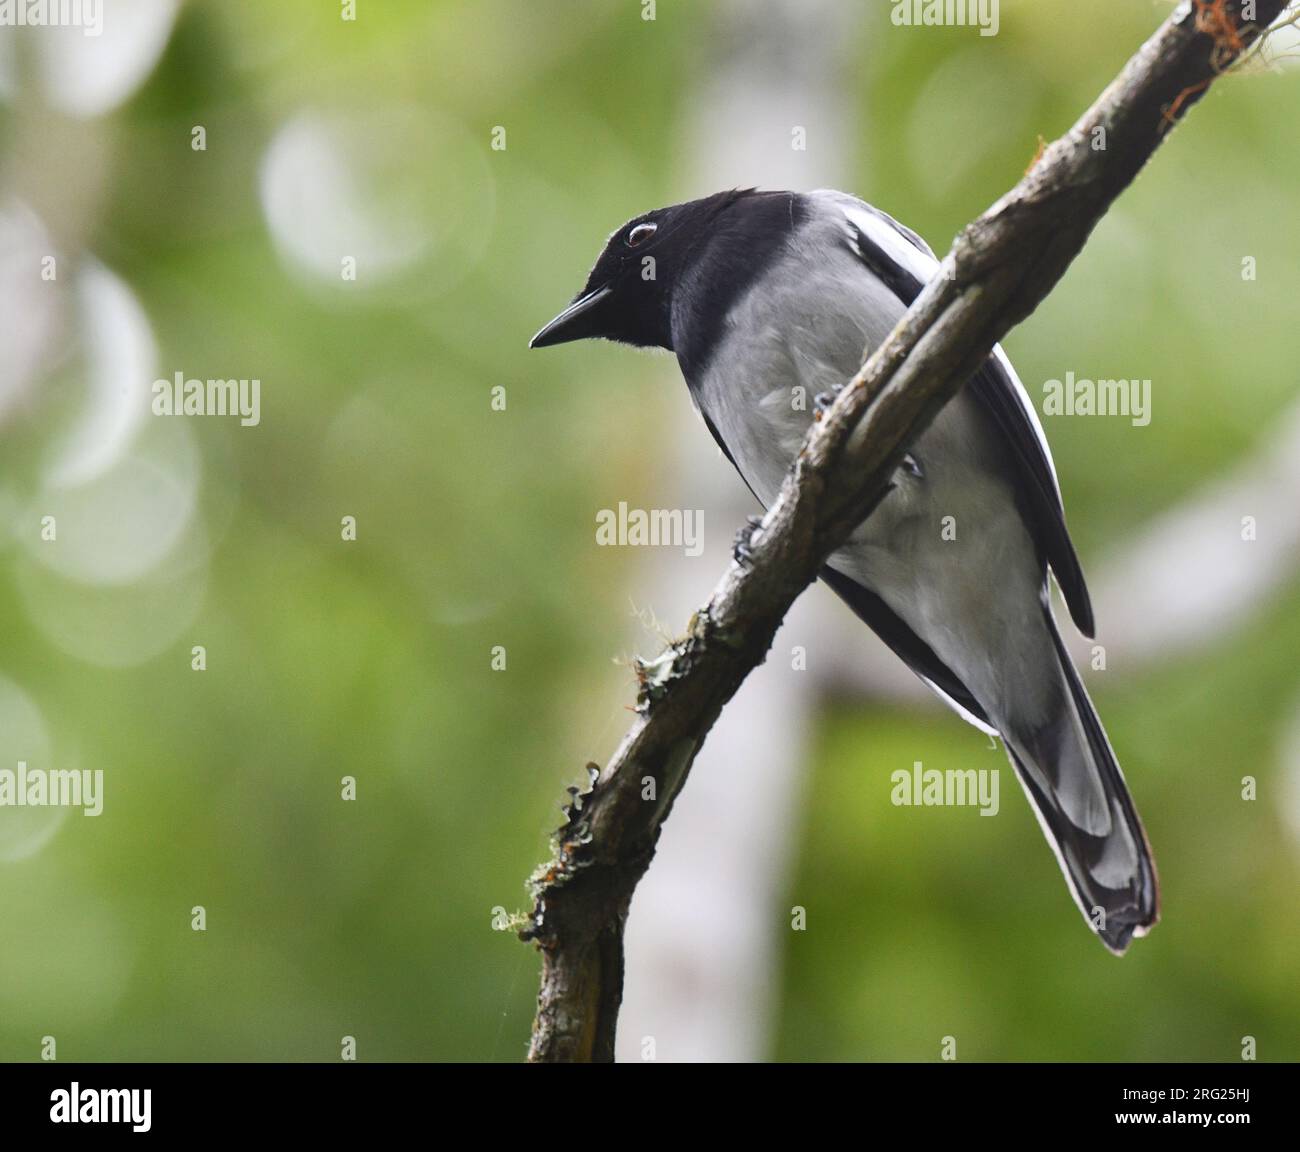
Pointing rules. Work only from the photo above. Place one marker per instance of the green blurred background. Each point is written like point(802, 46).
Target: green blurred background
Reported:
point(326, 658)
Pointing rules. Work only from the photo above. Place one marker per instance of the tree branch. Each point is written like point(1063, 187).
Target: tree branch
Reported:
point(999, 269)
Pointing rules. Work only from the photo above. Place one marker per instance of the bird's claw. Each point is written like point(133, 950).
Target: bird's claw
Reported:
point(740, 551)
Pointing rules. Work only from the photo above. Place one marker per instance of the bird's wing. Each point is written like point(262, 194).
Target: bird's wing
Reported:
point(885, 623)
point(901, 260)
point(908, 647)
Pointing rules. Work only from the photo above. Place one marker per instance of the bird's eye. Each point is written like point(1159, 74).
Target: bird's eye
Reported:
point(641, 233)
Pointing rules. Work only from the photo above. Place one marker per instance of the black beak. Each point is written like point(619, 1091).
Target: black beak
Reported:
point(581, 319)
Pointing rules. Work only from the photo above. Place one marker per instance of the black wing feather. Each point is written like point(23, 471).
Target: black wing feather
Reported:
point(905, 644)
point(994, 388)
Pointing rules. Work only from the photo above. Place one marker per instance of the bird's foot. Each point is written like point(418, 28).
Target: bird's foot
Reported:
point(822, 402)
point(740, 551)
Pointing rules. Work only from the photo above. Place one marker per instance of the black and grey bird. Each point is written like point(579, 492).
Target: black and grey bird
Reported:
point(762, 293)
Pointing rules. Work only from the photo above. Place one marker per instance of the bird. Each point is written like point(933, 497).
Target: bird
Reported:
point(764, 296)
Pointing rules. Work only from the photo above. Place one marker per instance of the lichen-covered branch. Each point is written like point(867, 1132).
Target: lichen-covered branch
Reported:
point(999, 269)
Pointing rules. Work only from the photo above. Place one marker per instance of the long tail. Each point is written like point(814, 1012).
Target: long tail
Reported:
point(1078, 792)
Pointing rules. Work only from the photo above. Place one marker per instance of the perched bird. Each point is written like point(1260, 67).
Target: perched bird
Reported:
point(762, 293)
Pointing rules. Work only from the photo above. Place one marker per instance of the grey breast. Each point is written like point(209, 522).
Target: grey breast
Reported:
point(802, 328)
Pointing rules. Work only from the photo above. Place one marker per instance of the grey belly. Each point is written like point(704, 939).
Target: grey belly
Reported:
point(946, 550)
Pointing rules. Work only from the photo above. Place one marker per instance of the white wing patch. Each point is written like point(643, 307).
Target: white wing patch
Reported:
point(1023, 397)
point(962, 711)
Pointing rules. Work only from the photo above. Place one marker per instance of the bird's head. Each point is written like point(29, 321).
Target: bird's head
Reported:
point(628, 296)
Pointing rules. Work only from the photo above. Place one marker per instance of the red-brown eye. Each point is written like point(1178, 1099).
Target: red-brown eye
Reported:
point(641, 233)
